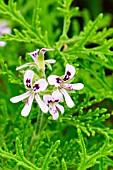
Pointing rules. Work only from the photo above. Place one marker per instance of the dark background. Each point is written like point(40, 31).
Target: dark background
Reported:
point(95, 6)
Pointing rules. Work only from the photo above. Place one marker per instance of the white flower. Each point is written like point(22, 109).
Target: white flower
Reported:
point(53, 102)
point(62, 84)
point(4, 29)
point(34, 56)
point(33, 91)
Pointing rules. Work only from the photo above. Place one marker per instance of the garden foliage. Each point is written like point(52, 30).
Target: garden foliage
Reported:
point(82, 137)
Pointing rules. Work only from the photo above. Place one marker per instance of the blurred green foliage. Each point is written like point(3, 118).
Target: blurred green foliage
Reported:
point(82, 137)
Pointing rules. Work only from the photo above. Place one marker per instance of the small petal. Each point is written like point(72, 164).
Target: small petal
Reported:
point(60, 107)
point(26, 110)
point(54, 112)
point(22, 66)
point(69, 72)
point(40, 85)
point(34, 55)
point(6, 30)
point(3, 25)
point(42, 105)
point(17, 99)
point(44, 50)
point(68, 99)
point(51, 61)
point(47, 99)
point(28, 77)
point(57, 96)
point(2, 43)
point(54, 80)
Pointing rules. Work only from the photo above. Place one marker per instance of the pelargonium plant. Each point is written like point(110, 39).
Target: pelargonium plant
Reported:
point(54, 96)
point(56, 85)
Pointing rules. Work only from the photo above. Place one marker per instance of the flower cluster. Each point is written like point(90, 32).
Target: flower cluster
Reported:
point(37, 86)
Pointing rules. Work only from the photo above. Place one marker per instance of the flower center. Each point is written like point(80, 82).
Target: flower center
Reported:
point(52, 101)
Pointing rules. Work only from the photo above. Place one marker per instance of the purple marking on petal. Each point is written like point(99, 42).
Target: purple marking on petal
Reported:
point(67, 76)
point(28, 81)
point(50, 101)
point(27, 102)
point(58, 80)
point(36, 87)
point(56, 110)
point(43, 50)
point(56, 100)
point(35, 54)
point(69, 86)
point(68, 73)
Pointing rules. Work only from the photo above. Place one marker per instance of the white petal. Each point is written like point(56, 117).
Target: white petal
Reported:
point(69, 72)
point(3, 25)
point(68, 99)
point(54, 112)
point(77, 86)
point(17, 99)
point(57, 96)
point(6, 30)
point(2, 43)
point(60, 107)
point(54, 80)
point(22, 66)
point(34, 55)
point(40, 85)
point(51, 61)
point(26, 110)
point(28, 77)
point(44, 50)
point(42, 105)
point(47, 98)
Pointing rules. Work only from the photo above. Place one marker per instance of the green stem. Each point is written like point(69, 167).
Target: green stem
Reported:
point(37, 131)
point(25, 126)
point(39, 123)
